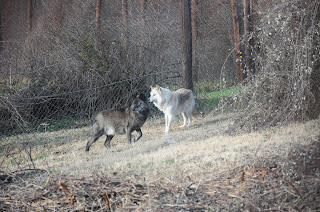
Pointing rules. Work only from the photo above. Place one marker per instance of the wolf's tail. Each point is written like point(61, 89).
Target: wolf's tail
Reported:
point(193, 112)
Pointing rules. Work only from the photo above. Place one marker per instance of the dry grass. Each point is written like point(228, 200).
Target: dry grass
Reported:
point(198, 168)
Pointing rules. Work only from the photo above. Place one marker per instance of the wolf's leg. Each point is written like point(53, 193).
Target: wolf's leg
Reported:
point(107, 142)
point(184, 119)
point(170, 121)
point(129, 131)
point(139, 135)
point(166, 122)
point(189, 119)
point(94, 137)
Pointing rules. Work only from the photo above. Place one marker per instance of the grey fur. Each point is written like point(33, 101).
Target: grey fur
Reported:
point(120, 121)
point(172, 103)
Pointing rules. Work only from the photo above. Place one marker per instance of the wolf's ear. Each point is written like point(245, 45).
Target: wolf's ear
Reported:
point(158, 88)
point(151, 87)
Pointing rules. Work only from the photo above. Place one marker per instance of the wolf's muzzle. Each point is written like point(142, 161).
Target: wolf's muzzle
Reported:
point(138, 108)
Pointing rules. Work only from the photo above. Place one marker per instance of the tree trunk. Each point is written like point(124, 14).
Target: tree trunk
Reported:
point(194, 18)
point(29, 18)
point(248, 55)
point(142, 11)
point(186, 39)
point(314, 105)
point(125, 22)
point(254, 40)
point(236, 39)
point(141, 48)
point(97, 24)
point(1, 44)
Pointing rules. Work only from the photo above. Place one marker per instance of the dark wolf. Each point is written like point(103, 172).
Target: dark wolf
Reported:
point(120, 121)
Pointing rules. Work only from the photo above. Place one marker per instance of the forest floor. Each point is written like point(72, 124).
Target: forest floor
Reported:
point(201, 168)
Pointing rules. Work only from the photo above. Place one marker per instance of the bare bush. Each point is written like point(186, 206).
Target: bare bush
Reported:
point(286, 86)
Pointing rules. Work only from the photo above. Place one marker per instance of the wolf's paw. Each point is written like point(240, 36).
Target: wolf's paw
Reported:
point(182, 126)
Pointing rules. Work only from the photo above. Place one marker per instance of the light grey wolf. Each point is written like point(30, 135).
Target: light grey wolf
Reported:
point(120, 121)
point(172, 103)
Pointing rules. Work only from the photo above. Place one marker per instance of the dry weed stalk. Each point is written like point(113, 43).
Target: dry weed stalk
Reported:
point(106, 199)
point(64, 187)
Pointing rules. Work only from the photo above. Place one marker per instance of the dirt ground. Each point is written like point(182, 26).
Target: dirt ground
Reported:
point(198, 168)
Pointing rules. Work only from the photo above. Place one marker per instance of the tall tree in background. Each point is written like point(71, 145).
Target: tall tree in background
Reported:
point(125, 22)
point(194, 18)
point(98, 5)
point(29, 18)
point(141, 48)
point(236, 39)
point(248, 55)
point(142, 11)
point(254, 41)
point(1, 47)
point(186, 39)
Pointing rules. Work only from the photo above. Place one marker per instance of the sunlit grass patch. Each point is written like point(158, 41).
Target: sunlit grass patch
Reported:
point(210, 100)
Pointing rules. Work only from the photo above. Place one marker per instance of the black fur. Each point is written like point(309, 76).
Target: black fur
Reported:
point(120, 121)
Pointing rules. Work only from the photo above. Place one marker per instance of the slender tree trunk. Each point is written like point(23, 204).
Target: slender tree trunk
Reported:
point(186, 38)
point(141, 48)
point(1, 44)
point(194, 18)
point(98, 6)
point(248, 55)
point(125, 22)
point(254, 44)
point(29, 18)
point(236, 39)
point(57, 6)
point(314, 105)
point(142, 11)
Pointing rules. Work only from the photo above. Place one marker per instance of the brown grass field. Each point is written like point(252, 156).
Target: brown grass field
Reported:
point(201, 168)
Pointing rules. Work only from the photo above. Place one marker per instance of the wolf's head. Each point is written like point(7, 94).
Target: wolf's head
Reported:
point(140, 104)
point(155, 95)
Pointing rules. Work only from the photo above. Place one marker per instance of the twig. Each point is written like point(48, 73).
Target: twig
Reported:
point(106, 199)
point(278, 175)
point(64, 187)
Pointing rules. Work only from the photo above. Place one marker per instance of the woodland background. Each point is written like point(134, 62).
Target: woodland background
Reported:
point(70, 59)
point(253, 65)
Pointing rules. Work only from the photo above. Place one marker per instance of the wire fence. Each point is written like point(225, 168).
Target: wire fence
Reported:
point(70, 59)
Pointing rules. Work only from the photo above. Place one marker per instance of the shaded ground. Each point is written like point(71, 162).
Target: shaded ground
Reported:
point(200, 168)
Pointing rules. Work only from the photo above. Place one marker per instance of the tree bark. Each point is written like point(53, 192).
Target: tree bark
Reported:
point(125, 22)
point(236, 40)
point(186, 39)
point(98, 6)
point(194, 18)
point(248, 55)
point(141, 48)
point(29, 18)
point(142, 11)
point(1, 44)
point(254, 40)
